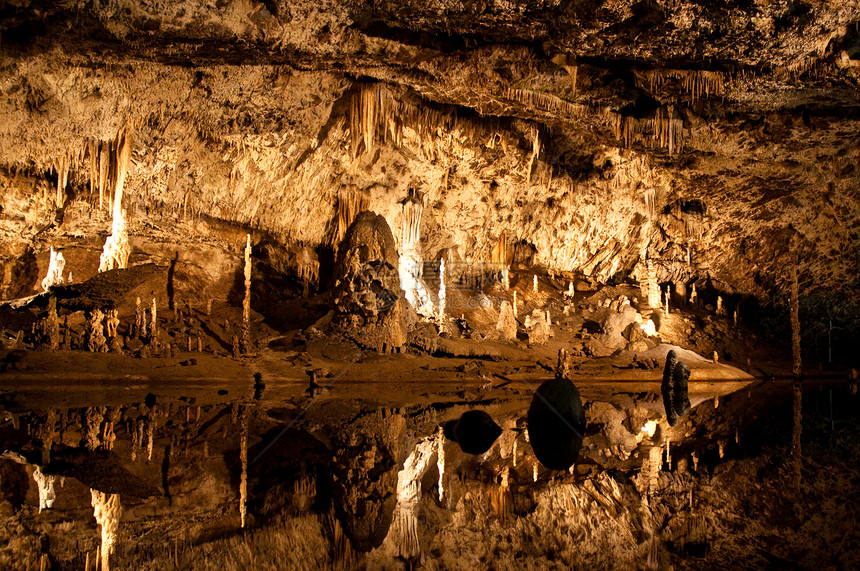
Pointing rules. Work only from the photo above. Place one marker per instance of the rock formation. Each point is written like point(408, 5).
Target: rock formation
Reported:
point(674, 388)
point(367, 296)
point(556, 424)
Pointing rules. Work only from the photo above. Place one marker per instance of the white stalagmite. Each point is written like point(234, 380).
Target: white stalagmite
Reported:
point(107, 511)
point(45, 483)
point(55, 270)
point(535, 471)
point(402, 539)
point(441, 314)
point(411, 265)
point(534, 283)
point(514, 305)
point(246, 302)
point(116, 248)
point(506, 278)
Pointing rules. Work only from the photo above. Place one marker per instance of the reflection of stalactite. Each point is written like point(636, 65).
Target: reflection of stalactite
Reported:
point(93, 418)
point(107, 511)
point(45, 483)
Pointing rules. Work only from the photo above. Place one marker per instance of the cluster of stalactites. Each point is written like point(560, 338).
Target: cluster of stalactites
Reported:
point(665, 128)
point(376, 116)
point(350, 201)
point(695, 82)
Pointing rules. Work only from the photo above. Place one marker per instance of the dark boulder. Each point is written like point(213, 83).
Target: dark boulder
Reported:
point(556, 423)
point(475, 431)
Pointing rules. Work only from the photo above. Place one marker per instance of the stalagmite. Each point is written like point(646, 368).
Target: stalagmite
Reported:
point(570, 293)
point(138, 319)
point(534, 283)
point(440, 317)
point(116, 249)
point(153, 326)
point(95, 332)
point(411, 266)
point(107, 511)
point(666, 301)
point(55, 270)
point(797, 371)
point(45, 483)
point(53, 324)
point(514, 305)
point(246, 301)
point(652, 290)
point(507, 323)
point(693, 295)
point(535, 471)
point(735, 317)
point(720, 309)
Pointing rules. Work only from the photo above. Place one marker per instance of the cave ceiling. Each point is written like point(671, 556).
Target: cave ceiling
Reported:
point(719, 139)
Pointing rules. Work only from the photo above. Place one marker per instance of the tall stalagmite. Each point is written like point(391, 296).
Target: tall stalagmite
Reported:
point(246, 302)
point(797, 370)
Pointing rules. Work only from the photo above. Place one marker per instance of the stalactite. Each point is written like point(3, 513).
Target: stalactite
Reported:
point(246, 301)
point(411, 280)
point(350, 201)
point(545, 102)
point(696, 83)
point(107, 511)
point(535, 152)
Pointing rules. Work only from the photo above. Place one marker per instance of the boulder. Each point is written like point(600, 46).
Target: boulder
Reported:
point(475, 431)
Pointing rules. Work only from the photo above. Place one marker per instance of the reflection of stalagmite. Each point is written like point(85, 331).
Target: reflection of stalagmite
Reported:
point(55, 270)
point(45, 483)
point(402, 538)
point(440, 462)
point(107, 511)
point(243, 481)
point(246, 301)
point(138, 319)
point(153, 327)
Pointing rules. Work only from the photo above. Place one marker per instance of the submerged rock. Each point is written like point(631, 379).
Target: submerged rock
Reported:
point(475, 431)
point(556, 424)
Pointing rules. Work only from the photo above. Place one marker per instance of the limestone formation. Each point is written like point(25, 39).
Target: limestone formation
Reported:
point(538, 328)
point(96, 341)
point(506, 326)
point(371, 308)
point(45, 485)
point(55, 270)
point(245, 342)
